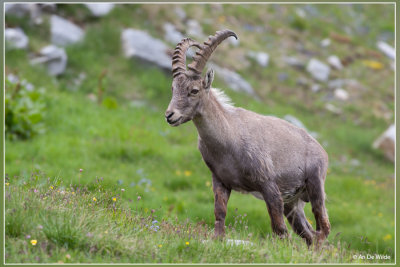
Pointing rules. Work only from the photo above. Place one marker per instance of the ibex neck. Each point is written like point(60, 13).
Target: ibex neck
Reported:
point(213, 123)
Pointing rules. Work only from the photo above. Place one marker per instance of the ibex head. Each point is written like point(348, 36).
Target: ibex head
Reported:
point(189, 89)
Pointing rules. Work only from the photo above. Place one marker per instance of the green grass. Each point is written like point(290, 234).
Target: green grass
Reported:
point(49, 222)
point(131, 147)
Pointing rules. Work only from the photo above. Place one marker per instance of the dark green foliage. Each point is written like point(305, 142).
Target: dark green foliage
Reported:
point(24, 110)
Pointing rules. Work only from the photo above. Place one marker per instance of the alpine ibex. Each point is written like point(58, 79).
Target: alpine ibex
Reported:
point(247, 152)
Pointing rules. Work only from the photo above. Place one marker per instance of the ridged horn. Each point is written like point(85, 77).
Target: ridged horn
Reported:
point(201, 57)
point(179, 56)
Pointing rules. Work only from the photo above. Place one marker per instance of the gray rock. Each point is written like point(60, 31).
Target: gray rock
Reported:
point(18, 10)
point(15, 38)
point(318, 70)
point(21, 10)
point(346, 83)
point(294, 62)
point(233, 80)
point(180, 13)
point(300, 12)
point(194, 29)
point(54, 58)
point(100, 9)
point(332, 84)
point(387, 143)
point(48, 7)
point(315, 87)
point(330, 107)
point(303, 81)
point(140, 44)
point(172, 35)
point(326, 42)
point(282, 76)
point(341, 94)
point(234, 42)
point(295, 121)
point(335, 62)
point(64, 32)
point(261, 57)
point(387, 49)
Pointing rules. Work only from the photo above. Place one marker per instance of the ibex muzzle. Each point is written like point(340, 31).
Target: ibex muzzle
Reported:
point(247, 152)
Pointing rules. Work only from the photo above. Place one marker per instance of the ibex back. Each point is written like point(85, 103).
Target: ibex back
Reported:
point(247, 152)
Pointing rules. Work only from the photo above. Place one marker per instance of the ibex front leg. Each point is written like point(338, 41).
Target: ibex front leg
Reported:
point(221, 196)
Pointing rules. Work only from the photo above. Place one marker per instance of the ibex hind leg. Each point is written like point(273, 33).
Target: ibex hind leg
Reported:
point(294, 212)
point(274, 203)
point(316, 195)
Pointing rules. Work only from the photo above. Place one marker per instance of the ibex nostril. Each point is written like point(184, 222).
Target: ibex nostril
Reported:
point(170, 115)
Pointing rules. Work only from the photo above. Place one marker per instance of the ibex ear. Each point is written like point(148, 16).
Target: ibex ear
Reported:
point(208, 79)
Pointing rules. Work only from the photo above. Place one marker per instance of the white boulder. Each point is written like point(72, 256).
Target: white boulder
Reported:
point(260, 57)
point(64, 32)
point(54, 58)
point(335, 62)
point(318, 70)
point(387, 143)
point(387, 49)
point(172, 35)
point(295, 121)
point(341, 94)
point(194, 29)
point(233, 80)
point(15, 38)
point(140, 44)
point(100, 9)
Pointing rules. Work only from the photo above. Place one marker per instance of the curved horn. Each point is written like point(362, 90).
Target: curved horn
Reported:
point(201, 57)
point(179, 56)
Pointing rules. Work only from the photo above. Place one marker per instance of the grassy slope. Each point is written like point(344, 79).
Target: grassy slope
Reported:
point(81, 224)
point(128, 144)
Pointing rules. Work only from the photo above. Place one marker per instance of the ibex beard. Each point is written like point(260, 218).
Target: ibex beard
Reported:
point(248, 152)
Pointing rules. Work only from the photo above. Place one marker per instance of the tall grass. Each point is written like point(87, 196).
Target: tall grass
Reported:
point(76, 224)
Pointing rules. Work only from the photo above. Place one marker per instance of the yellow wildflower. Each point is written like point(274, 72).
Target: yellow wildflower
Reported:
point(387, 237)
point(373, 64)
point(114, 199)
point(187, 243)
point(221, 19)
point(94, 199)
point(309, 221)
point(208, 184)
point(33, 242)
point(7, 184)
point(106, 232)
point(73, 192)
point(51, 187)
point(187, 173)
point(160, 246)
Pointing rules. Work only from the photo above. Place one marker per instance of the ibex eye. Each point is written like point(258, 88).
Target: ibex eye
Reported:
point(194, 91)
